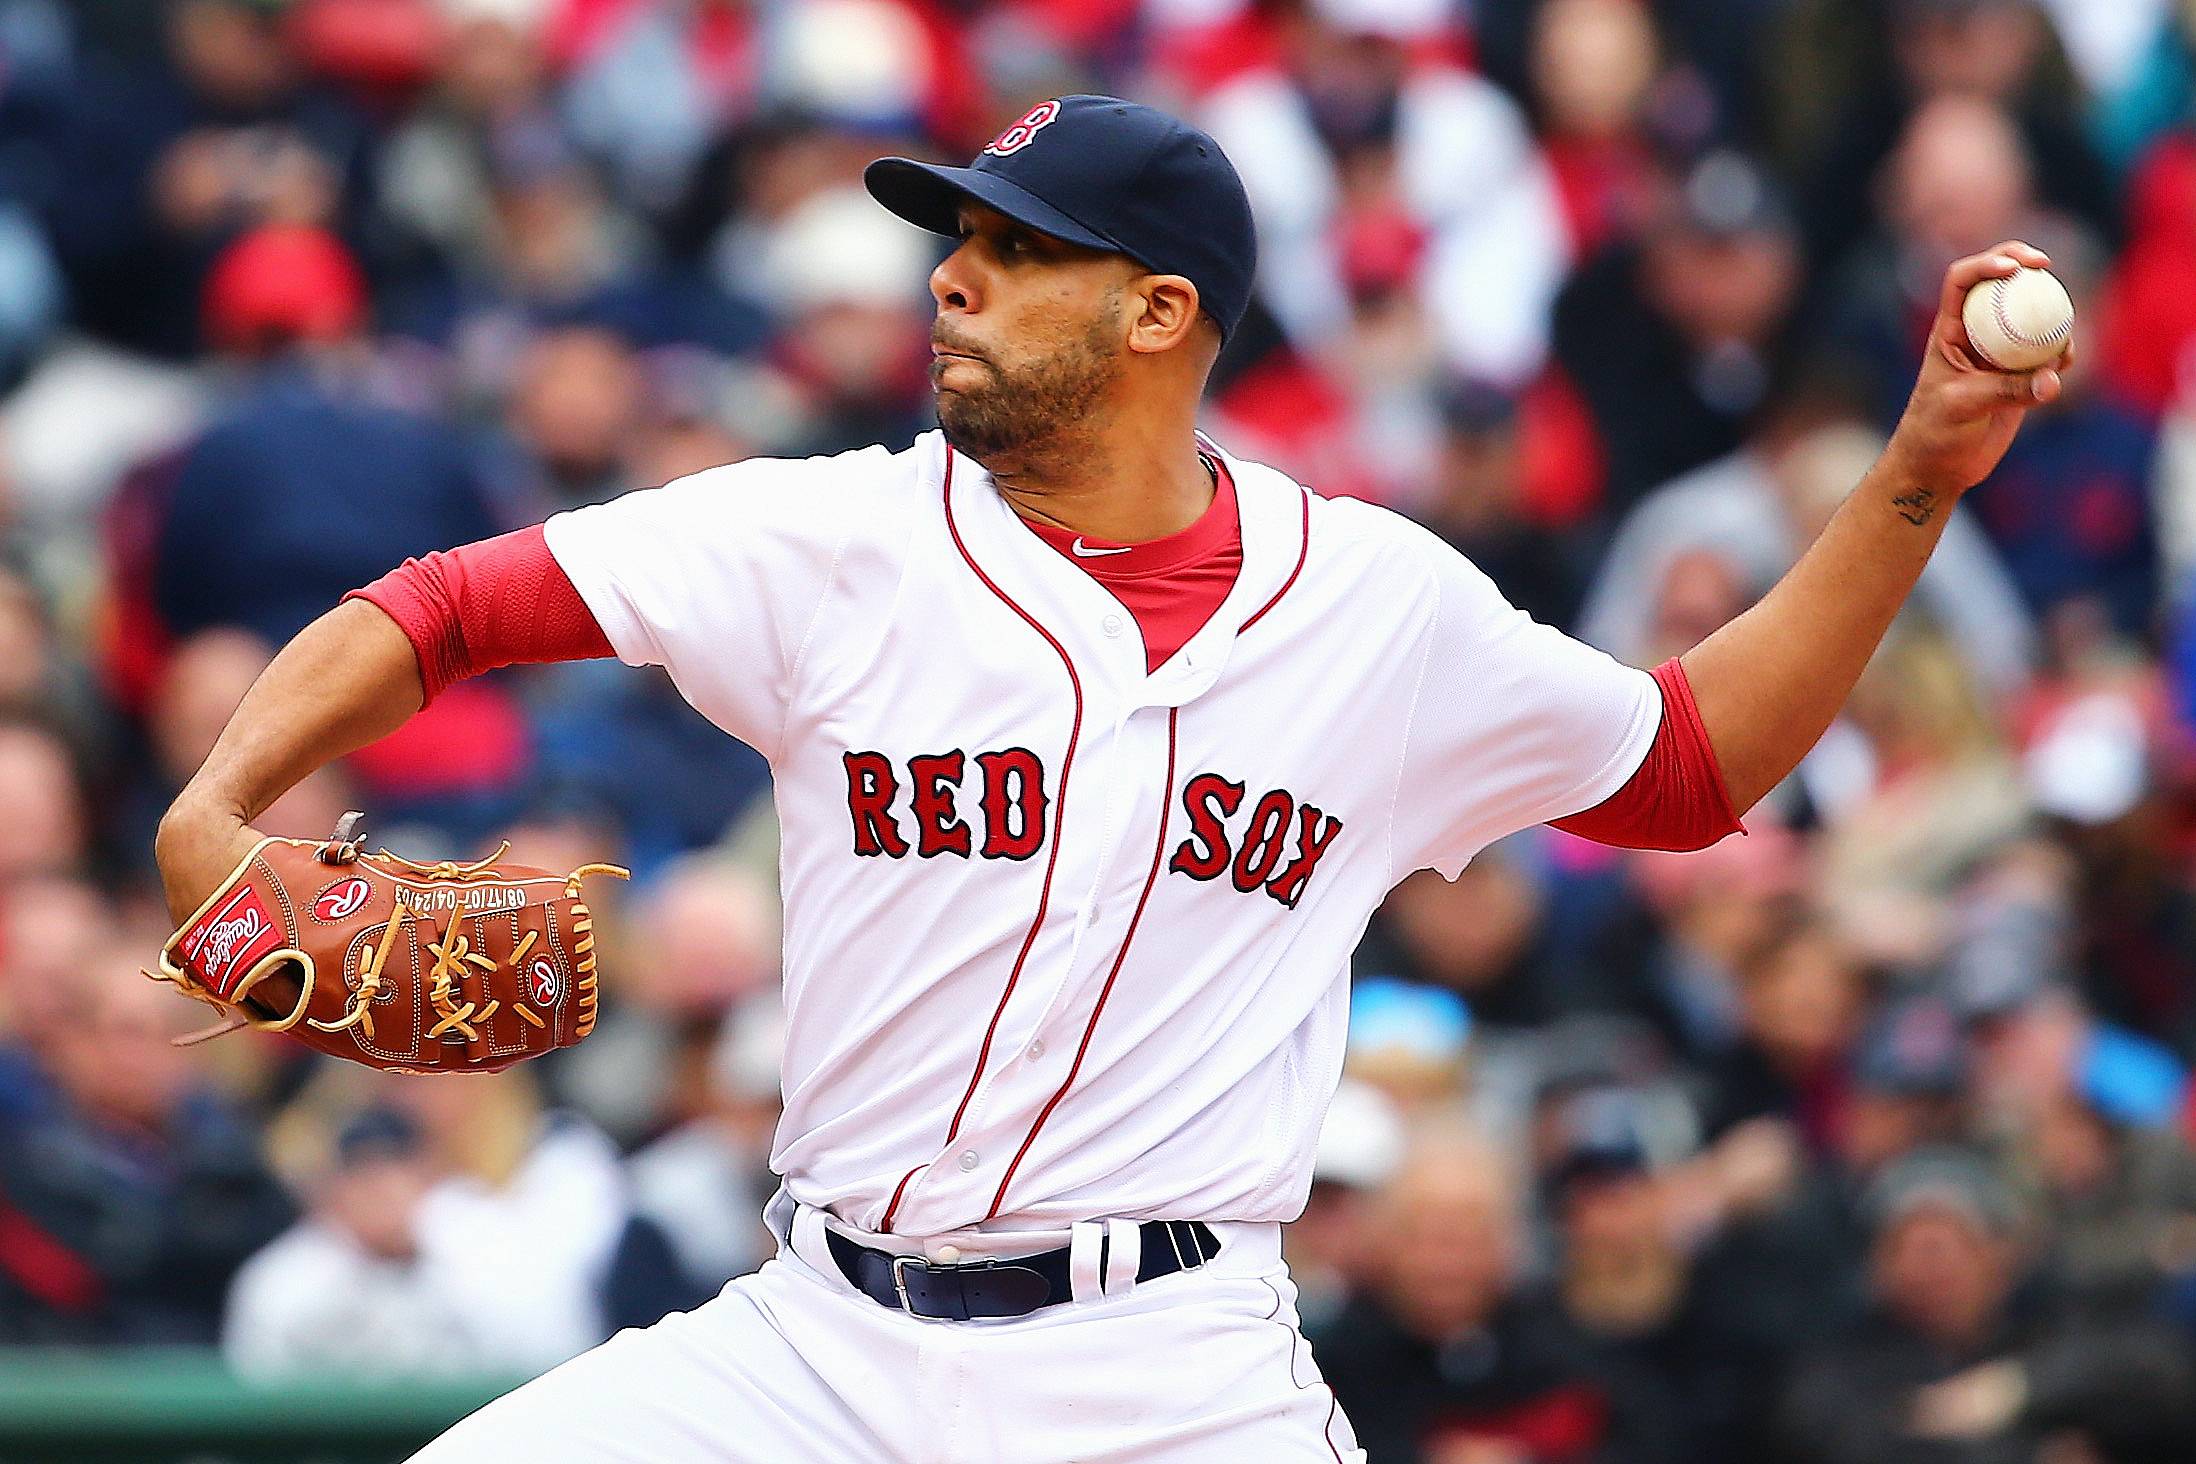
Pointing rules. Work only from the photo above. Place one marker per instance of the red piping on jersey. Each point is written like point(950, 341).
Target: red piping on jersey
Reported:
point(1090, 1028)
point(1303, 553)
point(893, 1207)
point(1059, 818)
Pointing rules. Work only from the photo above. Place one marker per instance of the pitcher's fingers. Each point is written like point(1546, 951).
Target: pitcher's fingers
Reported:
point(1991, 264)
point(2024, 253)
point(1978, 393)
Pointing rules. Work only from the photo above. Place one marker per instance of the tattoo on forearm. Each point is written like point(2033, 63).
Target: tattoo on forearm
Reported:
point(1917, 507)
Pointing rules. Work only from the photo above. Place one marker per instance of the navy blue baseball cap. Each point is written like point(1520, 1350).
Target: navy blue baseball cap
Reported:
point(1106, 174)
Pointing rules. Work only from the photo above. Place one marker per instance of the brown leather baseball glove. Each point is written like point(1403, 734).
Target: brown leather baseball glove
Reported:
point(412, 967)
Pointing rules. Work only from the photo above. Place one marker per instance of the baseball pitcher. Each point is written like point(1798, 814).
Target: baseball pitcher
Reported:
point(1094, 748)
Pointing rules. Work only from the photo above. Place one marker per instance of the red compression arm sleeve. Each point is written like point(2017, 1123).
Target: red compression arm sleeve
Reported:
point(501, 602)
point(1676, 799)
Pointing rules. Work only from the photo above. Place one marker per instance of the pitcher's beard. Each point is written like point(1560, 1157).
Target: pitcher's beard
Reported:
point(1042, 411)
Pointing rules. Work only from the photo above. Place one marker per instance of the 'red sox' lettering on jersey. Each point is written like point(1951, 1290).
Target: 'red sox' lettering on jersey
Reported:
point(1013, 803)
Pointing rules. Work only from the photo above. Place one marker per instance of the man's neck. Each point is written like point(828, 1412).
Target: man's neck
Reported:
point(1126, 496)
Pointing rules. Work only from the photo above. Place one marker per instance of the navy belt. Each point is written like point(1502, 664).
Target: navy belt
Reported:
point(1009, 1288)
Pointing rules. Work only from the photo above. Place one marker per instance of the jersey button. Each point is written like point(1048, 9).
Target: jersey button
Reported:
point(968, 1160)
point(1111, 624)
point(1035, 1050)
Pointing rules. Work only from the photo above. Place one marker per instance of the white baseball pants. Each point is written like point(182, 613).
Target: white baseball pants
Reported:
point(792, 1364)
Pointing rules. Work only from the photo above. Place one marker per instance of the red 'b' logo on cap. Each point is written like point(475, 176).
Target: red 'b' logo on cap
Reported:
point(1020, 135)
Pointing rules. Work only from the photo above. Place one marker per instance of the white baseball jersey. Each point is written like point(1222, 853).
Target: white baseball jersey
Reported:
point(1065, 940)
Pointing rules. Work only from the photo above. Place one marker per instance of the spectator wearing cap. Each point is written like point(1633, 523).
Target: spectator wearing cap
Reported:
point(347, 1289)
point(548, 1185)
point(1505, 474)
point(1365, 123)
point(2087, 1111)
point(1409, 1042)
point(1680, 1354)
point(1947, 1255)
point(1910, 1073)
point(1674, 342)
point(2036, 1043)
point(1959, 1360)
point(844, 286)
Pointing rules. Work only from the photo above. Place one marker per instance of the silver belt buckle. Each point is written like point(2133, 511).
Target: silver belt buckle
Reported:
point(899, 1280)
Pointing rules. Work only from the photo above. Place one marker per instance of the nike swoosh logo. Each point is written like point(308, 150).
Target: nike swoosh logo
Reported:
point(1084, 551)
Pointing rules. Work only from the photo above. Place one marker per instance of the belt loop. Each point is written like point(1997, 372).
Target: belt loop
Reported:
point(807, 1241)
point(1085, 1241)
point(1125, 1255)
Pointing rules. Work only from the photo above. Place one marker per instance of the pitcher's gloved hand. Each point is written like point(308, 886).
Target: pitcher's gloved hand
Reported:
point(413, 967)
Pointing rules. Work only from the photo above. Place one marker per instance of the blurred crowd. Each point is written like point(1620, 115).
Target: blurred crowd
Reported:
point(1862, 1139)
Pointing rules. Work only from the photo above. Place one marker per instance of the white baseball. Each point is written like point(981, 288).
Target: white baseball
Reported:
point(2020, 322)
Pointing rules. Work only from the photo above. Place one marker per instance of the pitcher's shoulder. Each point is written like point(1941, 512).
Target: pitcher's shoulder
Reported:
point(875, 472)
point(865, 492)
point(1361, 530)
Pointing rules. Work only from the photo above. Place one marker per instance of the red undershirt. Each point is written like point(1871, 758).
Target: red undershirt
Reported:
point(1172, 585)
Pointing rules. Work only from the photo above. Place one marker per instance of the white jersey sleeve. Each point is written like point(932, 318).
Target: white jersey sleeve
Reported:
point(718, 576)
point(1513, 723)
